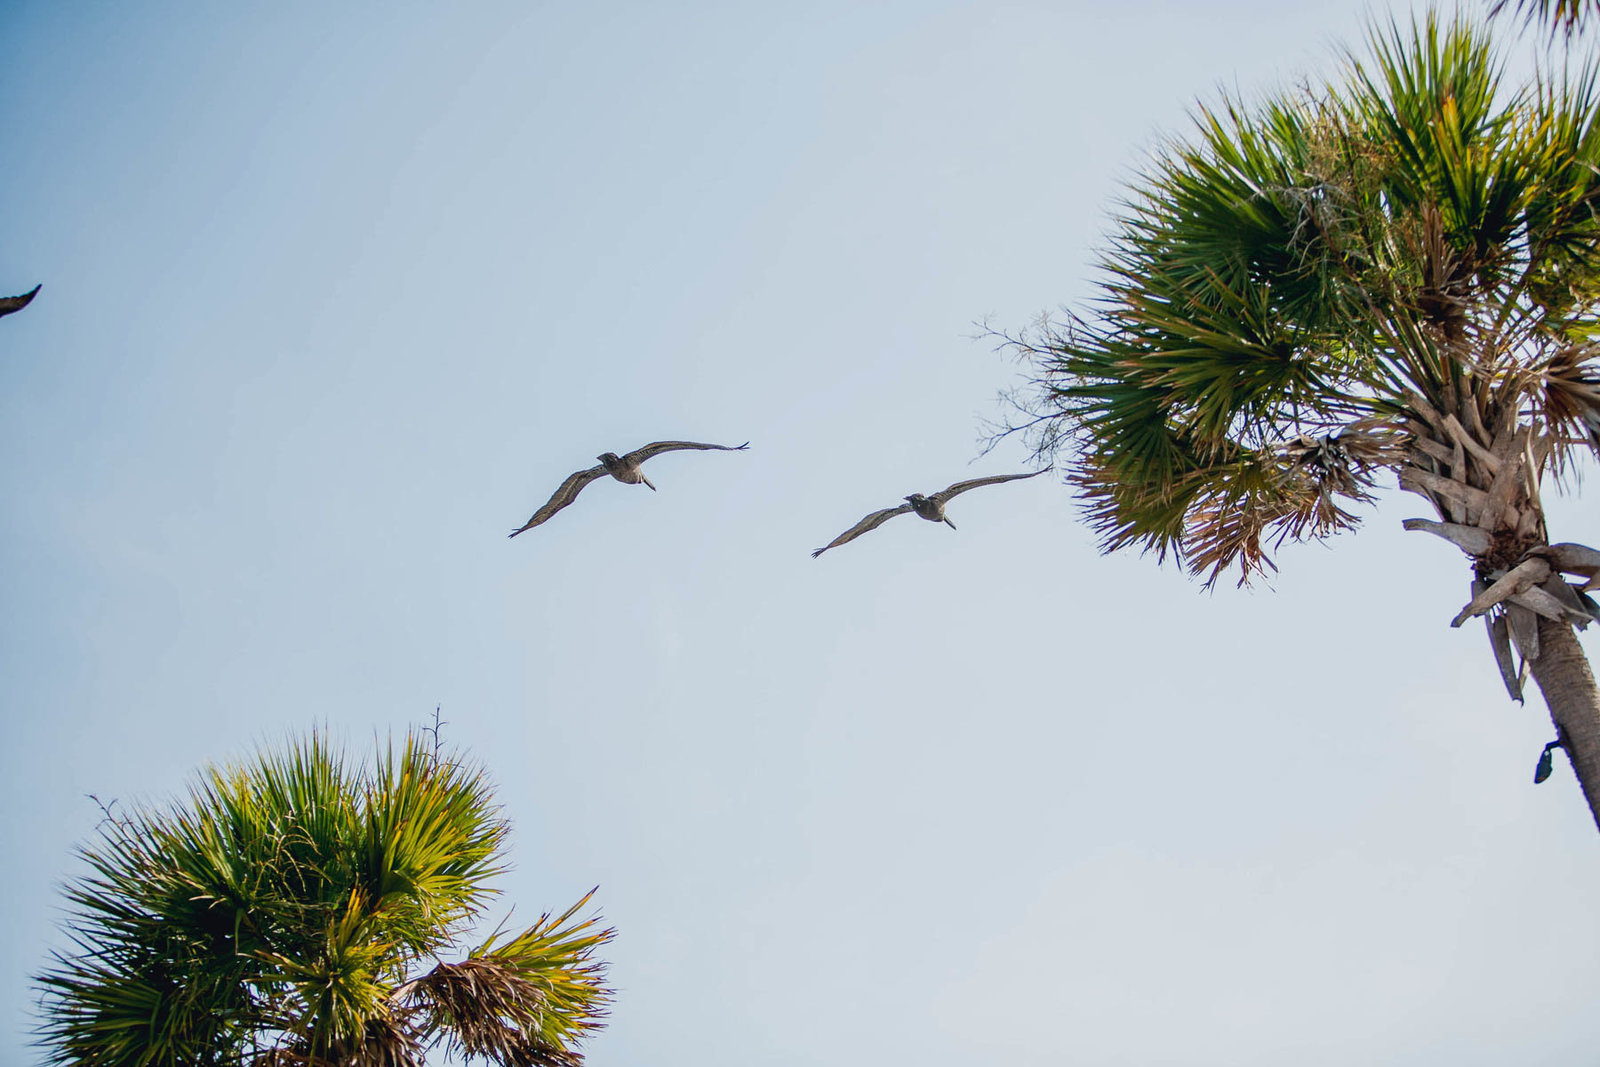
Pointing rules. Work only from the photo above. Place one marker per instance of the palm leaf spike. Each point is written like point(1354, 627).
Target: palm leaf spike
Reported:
point(1500, 644)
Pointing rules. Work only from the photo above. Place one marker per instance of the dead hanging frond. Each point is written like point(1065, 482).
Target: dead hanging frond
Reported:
point(388, 1040)
point(1344, 460)
point(524, 1001)
point(1235, 513)
point(1440, 296)
point(1513, 600)
point(1296, 491)
point(493, 1011)
point(1570, 397)
point(1561, 17)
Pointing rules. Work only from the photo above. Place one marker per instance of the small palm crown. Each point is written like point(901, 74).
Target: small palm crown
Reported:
point(305, 908)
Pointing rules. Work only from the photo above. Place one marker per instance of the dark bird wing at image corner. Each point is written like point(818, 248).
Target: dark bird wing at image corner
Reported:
point(9, 304)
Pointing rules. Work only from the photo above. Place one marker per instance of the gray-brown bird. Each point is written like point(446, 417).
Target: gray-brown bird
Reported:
point(624, 468)
point(925, 507)
point(8, 304)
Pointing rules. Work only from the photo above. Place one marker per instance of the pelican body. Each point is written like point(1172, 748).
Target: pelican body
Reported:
point(930, 508)
point(624, 471)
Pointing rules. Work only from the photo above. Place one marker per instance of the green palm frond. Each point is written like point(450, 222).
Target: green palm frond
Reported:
point(430, 842)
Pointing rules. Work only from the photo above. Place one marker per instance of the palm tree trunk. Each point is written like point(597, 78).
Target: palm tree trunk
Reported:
point(1569, 689)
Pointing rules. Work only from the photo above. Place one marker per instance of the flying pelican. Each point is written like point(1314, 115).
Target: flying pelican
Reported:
point(8, 304)
point(926, 507)
point(623, 468)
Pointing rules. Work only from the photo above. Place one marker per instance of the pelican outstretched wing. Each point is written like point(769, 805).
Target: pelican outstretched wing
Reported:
point(655, 448)
point(866, 525)
point(562, 497)
point(8, 304)
point(943, 496)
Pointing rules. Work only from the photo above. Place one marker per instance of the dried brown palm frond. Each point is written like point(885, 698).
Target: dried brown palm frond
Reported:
point(386, 1041)
point(494, 1012)
point(527, 1000)
point(1562, 16)
point(1290, 492)
point(1571, 391)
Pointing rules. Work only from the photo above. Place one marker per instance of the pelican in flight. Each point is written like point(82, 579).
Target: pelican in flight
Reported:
point(8, 304)
point(623, 468)
point(925, 507)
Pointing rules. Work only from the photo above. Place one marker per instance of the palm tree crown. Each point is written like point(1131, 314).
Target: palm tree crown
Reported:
point(1398, 273)
point(293, 913)
point(1298, 296)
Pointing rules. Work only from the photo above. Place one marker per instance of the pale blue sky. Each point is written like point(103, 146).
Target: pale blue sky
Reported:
point(334, 298)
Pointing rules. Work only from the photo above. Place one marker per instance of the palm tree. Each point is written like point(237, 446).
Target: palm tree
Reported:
point(293, 914)
point(1400, 273)
point(1562, 16)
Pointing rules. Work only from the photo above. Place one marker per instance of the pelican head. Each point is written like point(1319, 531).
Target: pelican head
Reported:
point(916, 499)
point(610, 459)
